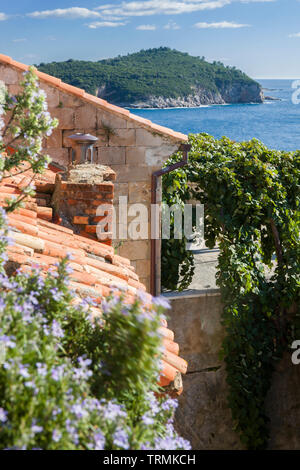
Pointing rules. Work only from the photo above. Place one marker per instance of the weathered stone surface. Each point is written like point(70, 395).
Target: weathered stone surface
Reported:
point(69, 101)
point(131, 173)
point(14, 89)
point(203, 416)
point(55, 139)
point(121, 189)
point(135, 155)
point(111, 155)
point(85, 117)
point(283, 406)
point(122, 137)
point(196, 321)
point(58, 155)
point(9, 75)
point(139, 249)
point(139, 192)
point(156, 157)
point(109, 120)
point(52, 95)
point(145, 138)
point(65, 117)
point(143, 268)
point(92, 175)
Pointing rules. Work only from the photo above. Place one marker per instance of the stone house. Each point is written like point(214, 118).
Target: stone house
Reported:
point(133, 147)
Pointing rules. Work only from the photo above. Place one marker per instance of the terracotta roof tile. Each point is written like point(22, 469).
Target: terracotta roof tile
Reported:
point(56, 82)
point(96, 267)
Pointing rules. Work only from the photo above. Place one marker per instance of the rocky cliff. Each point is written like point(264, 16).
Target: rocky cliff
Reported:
point(233, 93)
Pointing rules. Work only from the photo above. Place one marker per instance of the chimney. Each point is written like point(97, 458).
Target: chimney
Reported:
point(78, 194)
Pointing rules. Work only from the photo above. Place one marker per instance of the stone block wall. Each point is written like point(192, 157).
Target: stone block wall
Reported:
point(203, 416)
point(133, 150)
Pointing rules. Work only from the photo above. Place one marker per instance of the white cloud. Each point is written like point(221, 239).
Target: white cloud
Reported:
point(221, 25)
point(146, 27)
point(3, 16)
point(105, 24)
point(68, 13)
point(161, 7)
point(19, 40)
point(123, 10)
point(166, 7)
point(171, 25)
point(294, 35)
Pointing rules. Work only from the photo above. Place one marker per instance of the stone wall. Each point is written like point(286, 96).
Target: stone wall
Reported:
point(203, 416)
point(131, 150)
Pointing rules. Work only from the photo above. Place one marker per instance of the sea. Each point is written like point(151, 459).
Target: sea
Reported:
point(275, 123)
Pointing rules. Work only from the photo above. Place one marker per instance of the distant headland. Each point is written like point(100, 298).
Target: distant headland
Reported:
point(158, 78)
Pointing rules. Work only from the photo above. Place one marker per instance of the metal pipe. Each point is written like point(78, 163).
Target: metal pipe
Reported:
point(185, 148)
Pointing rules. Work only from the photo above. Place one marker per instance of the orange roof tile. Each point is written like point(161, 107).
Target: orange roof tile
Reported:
point(56, 82)
point(96, 268)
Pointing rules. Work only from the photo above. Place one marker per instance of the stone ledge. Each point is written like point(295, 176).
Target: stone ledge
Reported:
point(191, 293)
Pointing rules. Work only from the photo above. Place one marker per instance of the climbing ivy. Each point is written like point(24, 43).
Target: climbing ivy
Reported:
point(251, 199)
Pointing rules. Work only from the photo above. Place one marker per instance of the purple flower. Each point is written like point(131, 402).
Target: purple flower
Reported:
point(143, 296)
point(112, 410)
point(2, 304)
point(169, 404)
point(125, 311)
point(35, 428)
point(42, 369)
point(3, 415)
point(56, 435)
point(57, 373)
point(147, 420)
point(56, 412)
point(72, 431)
point(161, 302)
point(56, 329)
point(105, 306)
point(84, 362)
point(79, 410)
point(56, 295)
point(120, 438)
point(24, 371)
point(8, 341)
point(99, 441)
point(30, 384)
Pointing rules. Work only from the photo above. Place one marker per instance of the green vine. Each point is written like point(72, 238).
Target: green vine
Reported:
point(251, 199)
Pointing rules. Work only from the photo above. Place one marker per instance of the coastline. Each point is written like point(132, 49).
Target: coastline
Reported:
point(276, 124)
point(195, 107)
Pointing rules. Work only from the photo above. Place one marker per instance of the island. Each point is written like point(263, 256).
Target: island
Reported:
point(158, 78)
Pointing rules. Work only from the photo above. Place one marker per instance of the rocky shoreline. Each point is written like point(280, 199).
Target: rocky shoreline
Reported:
point(233, 94)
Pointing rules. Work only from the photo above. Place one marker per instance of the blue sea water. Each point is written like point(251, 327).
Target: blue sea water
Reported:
point(275, 123)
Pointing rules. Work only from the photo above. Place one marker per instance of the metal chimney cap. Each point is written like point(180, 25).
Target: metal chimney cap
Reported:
point(84, 138)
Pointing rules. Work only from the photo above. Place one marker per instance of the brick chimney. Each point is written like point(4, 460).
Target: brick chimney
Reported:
point(78, 194)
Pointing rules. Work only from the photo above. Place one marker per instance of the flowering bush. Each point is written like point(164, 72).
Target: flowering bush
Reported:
point(68, 381)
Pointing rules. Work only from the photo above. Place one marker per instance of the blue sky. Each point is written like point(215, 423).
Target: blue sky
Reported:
point(262, 37)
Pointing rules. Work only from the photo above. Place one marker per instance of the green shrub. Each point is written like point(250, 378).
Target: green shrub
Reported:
point(251, 203)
